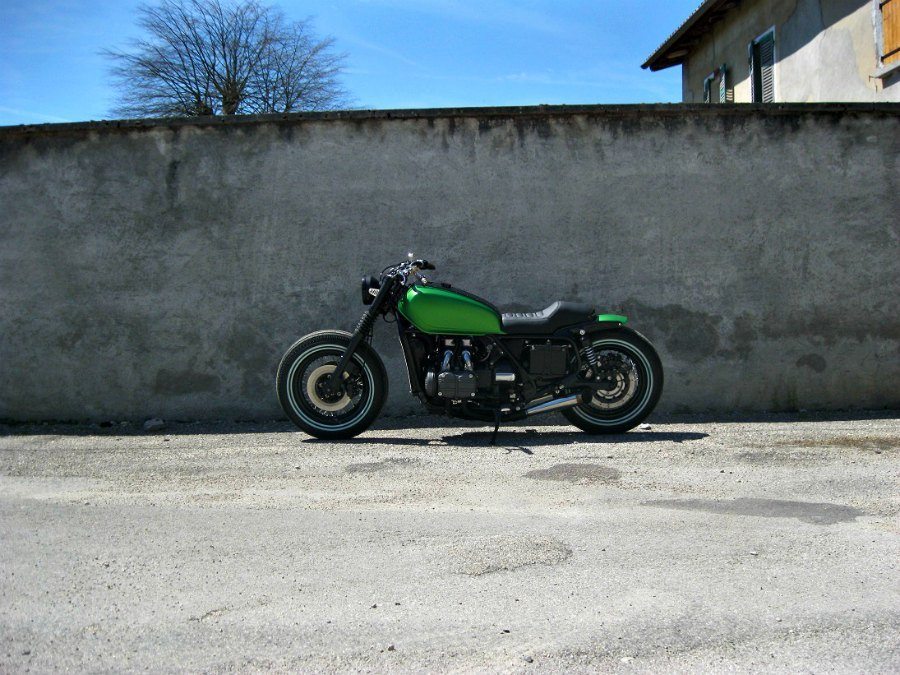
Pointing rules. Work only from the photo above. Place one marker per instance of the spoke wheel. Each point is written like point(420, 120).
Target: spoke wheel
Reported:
point(619, 379)
point(302, 385)
point(309, 380)
point(627, 378)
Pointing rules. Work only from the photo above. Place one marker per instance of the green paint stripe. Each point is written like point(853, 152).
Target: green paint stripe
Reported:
point(618, 318)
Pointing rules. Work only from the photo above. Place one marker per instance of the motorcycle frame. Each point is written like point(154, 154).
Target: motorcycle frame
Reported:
point(385, 302)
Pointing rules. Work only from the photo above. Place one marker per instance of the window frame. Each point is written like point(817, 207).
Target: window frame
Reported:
point(878, 16)
point(719, 75)
point(753, 43)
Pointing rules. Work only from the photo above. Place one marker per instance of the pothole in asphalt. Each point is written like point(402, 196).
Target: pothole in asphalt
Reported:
point(484, 555)
point(581, 474)
point(819, 513)
point(383, 465)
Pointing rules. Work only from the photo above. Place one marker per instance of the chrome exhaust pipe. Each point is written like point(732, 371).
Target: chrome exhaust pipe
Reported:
point(555, 404)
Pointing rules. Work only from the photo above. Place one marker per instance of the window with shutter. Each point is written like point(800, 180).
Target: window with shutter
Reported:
point(713, 92)
point(762, 68)
point(890, 31)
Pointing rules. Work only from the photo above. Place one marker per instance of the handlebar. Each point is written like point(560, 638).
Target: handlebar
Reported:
point(407, 267)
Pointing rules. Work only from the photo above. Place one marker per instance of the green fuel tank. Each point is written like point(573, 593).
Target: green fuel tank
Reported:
point(435, 309)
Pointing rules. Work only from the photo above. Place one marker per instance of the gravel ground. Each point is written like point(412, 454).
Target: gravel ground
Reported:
point(741, 545)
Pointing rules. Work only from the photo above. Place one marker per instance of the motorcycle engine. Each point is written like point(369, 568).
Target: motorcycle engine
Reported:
point(462, 369)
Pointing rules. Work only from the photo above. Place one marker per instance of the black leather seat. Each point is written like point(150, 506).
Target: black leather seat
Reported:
point(552, 318)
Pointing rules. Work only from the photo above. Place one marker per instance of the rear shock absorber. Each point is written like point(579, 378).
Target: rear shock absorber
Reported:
point(591, 356)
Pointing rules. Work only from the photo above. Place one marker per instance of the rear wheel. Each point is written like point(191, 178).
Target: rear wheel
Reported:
point(629, 372)
point(300, 383)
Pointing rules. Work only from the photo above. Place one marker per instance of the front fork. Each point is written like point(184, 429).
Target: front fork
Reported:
point(363, 328)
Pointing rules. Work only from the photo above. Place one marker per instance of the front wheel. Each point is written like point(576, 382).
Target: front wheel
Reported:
point(630, 375)
point(300, 383)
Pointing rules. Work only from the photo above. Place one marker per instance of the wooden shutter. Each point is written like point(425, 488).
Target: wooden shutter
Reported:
point(762, 64)
point(890, 15)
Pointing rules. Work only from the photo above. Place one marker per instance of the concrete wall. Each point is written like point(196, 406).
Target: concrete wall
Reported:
point(825, 50)
point(163, 268)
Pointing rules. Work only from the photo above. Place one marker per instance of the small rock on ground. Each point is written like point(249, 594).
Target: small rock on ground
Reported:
point(154, 424)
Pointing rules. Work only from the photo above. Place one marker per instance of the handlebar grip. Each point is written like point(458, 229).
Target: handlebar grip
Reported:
point(427, 265)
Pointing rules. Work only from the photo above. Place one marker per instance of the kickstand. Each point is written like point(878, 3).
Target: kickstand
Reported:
point(496, 428)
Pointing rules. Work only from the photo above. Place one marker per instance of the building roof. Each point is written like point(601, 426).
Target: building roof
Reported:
point(679, 44)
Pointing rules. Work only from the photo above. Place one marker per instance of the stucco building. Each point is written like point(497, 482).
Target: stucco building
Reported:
point(746, 51)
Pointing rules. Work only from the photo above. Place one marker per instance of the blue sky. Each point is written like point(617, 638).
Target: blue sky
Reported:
point(401, 53)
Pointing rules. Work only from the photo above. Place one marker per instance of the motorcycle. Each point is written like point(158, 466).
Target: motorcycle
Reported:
point(466, 359)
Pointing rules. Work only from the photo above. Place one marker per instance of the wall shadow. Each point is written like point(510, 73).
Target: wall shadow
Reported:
point(385, 425)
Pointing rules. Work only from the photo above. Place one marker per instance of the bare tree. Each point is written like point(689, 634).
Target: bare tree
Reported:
point(214, 57)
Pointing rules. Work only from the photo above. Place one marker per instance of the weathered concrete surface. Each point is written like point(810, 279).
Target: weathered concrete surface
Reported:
point(162, 268)
point(691, 547)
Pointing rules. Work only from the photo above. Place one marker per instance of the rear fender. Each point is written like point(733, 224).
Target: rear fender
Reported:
point(600, 323)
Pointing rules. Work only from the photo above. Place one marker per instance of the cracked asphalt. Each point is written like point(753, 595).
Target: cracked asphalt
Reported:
point(740, 545)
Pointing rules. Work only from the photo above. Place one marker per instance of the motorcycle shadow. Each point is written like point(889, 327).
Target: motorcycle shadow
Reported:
point(522, 440)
